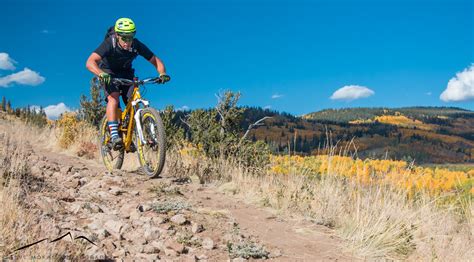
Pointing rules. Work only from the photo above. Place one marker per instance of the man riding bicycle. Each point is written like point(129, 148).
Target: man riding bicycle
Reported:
point(113, 58)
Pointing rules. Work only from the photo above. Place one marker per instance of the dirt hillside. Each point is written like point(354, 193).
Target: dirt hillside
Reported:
point(128, 216)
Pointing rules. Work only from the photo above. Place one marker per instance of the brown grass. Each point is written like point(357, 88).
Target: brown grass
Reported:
point(20, 223)
point(375, 221)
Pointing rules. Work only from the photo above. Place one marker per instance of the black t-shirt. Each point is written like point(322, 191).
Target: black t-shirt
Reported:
point(118, 60)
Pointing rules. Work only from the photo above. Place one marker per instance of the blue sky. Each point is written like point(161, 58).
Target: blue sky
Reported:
point(290, 56)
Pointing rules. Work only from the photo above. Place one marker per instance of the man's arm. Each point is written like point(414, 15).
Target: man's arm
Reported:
point(93, 63)
point(160, 67)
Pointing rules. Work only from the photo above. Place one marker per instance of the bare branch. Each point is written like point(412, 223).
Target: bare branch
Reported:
point(184, 122)
point(258, 123)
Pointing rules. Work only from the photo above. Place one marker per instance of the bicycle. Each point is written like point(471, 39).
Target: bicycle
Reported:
point(141, 129)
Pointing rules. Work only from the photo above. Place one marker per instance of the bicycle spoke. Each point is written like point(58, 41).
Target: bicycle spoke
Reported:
point(151, 150)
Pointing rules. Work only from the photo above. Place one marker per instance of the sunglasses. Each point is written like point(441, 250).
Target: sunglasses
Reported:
point(127, 38)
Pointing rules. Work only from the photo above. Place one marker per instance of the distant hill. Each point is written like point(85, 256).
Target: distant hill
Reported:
point(346, 115)
point(423, 134)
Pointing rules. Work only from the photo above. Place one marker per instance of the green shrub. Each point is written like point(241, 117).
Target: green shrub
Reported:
point(218, 132)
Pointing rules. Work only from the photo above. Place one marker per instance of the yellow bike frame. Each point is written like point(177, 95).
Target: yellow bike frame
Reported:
point(127, 131)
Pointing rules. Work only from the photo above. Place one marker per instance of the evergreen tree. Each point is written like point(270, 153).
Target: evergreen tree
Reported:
point(4, 104)
point(9, 107)
point(93, 110)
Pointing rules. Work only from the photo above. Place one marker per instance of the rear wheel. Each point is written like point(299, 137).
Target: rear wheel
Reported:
point(112, 159)
point(151, 151)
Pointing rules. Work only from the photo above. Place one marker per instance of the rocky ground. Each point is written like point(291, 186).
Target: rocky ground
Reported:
point(128, 216)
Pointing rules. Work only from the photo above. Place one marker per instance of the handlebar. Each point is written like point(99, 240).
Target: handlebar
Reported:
point(124, 81)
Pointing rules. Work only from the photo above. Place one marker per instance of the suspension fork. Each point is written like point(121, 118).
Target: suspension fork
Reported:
point(137, 115)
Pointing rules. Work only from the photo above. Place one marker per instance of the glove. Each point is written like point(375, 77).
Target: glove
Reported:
point(165, 78)
point(104, 78)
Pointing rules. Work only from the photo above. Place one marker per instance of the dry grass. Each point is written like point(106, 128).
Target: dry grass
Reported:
point(20, 222)
point(72, 136)
point(377, 221)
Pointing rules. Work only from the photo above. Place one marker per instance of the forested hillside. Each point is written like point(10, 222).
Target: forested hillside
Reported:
point(423, 134)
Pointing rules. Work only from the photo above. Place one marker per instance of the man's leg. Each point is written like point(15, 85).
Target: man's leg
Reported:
point(112, 118)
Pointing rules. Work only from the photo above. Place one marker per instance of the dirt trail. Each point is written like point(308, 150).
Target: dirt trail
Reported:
point(130, 216)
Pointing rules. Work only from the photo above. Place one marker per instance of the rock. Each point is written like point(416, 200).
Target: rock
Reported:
point(65, 169)
point(239, 259)
point(95, 224)
point(102, 194)
point(114, 227)
point(95, 253)
point(172, 244)
point(135, 214)
point(77, 175)
point(101, 233)
point(179, 219)
point(55, 167)
point(202, 257)
point(158, 220)
point(75, 208)
point(170, 252)
point(137, 222)
point(144, 207)
point(119, 253)
point(148, 257)
point(188, 258)
point(83, 181)
point(275, 253)
point(136, 237)
point(135, 249)
point(167, 227)
point(108, 245)
point(145, 219)
point(134, 193)
point(171, 232)
point(79, 169)
point(208, 243)
point(55, 231)
point(149, 249)
point(73, 183)
point(116, 191)
point(152, 233)
point(36, 171)
point(126, 210)
point(47, 205)
point(157, 244)
point(94, 208)
point(197, 228)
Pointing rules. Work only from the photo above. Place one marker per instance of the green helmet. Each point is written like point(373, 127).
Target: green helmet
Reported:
point(125, 26)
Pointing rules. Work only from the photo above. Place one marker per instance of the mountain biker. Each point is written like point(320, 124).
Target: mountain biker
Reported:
point(113, 58)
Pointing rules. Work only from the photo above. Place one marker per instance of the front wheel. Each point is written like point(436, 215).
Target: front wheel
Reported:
point(152, 151)
point(112, 159)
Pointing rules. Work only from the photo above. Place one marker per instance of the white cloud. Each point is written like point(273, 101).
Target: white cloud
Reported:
point(428, 93)
point(54, 111)
point(460, 87)
point(352, 92)
point(47, 32)
point(35, 108)
point(25, 77)
point(276, 96)
point(6, 62)
point(267, 107)
point(183, 108)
